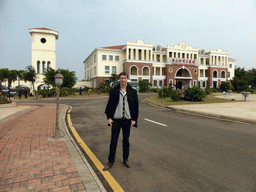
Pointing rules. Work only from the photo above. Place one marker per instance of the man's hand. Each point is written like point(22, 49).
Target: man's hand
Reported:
point(133, 123)
point(110, 121)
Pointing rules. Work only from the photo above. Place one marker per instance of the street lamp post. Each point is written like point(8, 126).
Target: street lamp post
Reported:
point(58, 81)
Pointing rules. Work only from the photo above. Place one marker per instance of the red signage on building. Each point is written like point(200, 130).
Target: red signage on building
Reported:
point(182, 61)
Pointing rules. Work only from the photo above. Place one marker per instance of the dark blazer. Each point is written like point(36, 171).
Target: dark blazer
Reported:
point(132, 99)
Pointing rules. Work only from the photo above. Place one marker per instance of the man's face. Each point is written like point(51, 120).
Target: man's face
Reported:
point(123, 80)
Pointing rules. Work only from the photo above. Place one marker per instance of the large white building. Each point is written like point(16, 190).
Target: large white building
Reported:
point(182, 65)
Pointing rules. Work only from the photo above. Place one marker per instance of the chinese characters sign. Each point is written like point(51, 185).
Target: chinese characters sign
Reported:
point(182, 61)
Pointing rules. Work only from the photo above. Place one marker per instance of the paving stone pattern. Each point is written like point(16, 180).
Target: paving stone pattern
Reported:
point(28, 161)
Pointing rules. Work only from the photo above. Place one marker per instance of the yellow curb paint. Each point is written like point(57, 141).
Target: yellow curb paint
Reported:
point(112, 182)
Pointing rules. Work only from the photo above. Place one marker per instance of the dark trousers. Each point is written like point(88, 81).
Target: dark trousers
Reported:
point(116, 127)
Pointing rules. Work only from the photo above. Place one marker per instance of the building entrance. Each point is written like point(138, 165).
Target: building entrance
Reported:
point(178, 85)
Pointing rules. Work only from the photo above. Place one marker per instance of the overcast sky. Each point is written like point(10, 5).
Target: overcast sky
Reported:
point(84, 25)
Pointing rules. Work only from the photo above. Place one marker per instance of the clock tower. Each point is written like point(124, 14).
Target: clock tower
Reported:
point(43, 49)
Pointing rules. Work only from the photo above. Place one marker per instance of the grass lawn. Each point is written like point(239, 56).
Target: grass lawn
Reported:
point(168, 101)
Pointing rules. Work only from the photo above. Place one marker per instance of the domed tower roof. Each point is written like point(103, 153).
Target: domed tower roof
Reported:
point(44, 30)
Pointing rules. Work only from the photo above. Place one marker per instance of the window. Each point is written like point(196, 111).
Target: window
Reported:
point(160, 83)
point(194, 83)
point(230, 65)
point(134, 80)
point(157, 70)
point(38, 66)
point(110, 57)
point(147, 80)
point(146, 71)
point(95, 71)
point(113, 69)
point(155, 83)
point(48, 64)
point(223, 74)
point(203, 83)
point(202, 52)
point(106, 69)
point(43, 63)
point(133, 70)
point(228, 74)
point(116, 58)
point(199, 84)
point(157, 48)
point(163, 70)
point(171, 82)
point(104, 57)
point(214, 74)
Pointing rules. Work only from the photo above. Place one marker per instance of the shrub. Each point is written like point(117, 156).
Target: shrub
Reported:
point(4, 100)
point(224, 86)
point(194, 94)
point(144, 86)
point(208, 90)
point(43, 92)
point(167, 91)
point(63, 92)
point(175, 96)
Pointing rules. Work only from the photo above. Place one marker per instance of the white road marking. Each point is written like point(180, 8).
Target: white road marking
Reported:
point(155, 122)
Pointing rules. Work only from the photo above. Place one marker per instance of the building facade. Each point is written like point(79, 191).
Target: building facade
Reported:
point(181, 65)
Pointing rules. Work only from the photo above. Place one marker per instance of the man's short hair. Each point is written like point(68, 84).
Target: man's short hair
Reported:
point(123, 73)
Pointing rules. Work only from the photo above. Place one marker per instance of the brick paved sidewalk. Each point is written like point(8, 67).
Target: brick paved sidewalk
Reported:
point(28, 161)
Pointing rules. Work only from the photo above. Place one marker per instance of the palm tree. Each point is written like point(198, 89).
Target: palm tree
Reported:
point(30, 75)
point(12, 76)
point(20, 76)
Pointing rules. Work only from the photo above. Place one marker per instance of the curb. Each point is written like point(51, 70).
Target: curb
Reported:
point(86, 173)
point(221, 117)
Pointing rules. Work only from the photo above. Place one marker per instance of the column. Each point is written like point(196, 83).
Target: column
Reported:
point(204, 72)
point(185, 55)
point(161, 71)
point(142, 54)
point(136, 54)
point(161, 58)
point(204, 61)
point(127, 53)
point(147, 55)
point(210, 60)
point(213, 61)
point(132, 54)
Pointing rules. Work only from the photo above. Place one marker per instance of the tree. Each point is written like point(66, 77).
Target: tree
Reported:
point(20, 76)
point(50, 77)
point(30, 75)
point(12, 76)
point(114, 77)
point(224, 86)
point(68, 81)
point(3, 76)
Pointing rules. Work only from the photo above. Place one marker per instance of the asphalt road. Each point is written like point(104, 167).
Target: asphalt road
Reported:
point(183, 153)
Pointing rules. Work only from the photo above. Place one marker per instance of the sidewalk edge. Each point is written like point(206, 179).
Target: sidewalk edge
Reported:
point(221, 117)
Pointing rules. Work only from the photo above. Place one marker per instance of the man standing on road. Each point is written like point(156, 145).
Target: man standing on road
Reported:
point(122, 112)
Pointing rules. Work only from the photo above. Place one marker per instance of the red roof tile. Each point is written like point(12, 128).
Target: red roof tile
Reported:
point(114, 47)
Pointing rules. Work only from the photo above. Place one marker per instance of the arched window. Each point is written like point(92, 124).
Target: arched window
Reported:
point(48, 64)
point(223, 74)
point(134, 70)
point(43, 66)
point(157, 48)
point(215, 74)
point(38, 67)
point(145, 71)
